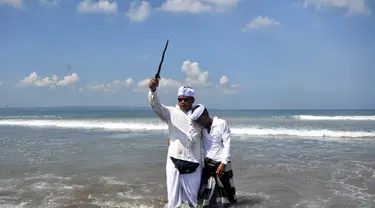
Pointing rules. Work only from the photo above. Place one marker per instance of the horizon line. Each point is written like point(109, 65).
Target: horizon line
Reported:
point(233, 109)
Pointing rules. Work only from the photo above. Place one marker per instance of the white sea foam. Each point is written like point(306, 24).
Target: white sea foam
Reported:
point(126, 126)
point(32, 117)
point(252, 131)
point(354, 118)
point(85, 124)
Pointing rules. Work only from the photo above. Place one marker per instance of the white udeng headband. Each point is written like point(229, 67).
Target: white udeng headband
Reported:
point(197, 112)
point(185, 91)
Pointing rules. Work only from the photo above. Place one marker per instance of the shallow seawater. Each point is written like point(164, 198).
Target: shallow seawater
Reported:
point(277, 162)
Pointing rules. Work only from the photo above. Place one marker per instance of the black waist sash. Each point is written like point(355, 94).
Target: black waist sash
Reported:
point(184, 167)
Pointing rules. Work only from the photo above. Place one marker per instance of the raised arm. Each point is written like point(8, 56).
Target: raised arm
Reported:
point(225, 157)
point(161, 110)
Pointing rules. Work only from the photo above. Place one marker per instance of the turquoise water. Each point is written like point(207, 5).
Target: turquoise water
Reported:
point(115, 157)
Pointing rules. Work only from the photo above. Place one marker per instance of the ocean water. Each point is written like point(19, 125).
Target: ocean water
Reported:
point(115, 157)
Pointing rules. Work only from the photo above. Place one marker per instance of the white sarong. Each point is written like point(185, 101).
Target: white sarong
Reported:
point(182, 188)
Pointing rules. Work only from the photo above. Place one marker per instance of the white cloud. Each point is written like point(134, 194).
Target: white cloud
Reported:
point(144, 83)
point(224, 80)
point(50, 82)
point(186, 6)
point(68, 80)
point(194, 77)
point(259, 22)
point(194, 74)
point(197, 6)
point(139, 13)
point(111, 87)
point(223, 2)
point(353, 6)
point(12, 3)
point(166, 84)
point(128, 82)
point(100, 6)
point(50, 3)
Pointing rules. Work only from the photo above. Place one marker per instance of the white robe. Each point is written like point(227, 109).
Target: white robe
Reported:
point(217, 143)
point(185, 144)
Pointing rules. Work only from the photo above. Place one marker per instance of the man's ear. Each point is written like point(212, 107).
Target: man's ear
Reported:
point(193, 100)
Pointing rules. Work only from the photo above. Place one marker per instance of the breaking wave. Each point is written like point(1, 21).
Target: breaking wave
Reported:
point(128, 126)
point(355, 118)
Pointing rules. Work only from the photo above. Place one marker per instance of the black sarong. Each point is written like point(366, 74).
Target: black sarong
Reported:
point(216, 191)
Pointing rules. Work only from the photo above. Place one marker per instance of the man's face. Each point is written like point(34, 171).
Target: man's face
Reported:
point(185, 103)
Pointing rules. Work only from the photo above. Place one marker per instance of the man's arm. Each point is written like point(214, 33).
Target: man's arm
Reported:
point(161, 110)
point(225, 157)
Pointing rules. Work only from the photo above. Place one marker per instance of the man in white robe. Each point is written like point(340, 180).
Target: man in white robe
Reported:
point(184, 161)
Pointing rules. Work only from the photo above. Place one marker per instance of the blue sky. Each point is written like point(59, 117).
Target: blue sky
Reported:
point(300, 54)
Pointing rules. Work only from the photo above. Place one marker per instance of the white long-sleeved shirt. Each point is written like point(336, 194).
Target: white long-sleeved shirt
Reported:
point(216, 144)
point(185, 136)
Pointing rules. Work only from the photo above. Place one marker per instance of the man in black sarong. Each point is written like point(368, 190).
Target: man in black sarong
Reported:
point(217, 188)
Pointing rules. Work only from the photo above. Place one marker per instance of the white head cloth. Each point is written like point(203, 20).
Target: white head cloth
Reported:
point(186, 91)
point(197, 112)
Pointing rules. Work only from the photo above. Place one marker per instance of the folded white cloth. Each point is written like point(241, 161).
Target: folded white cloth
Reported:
point(186, 91)
point(197, 112)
